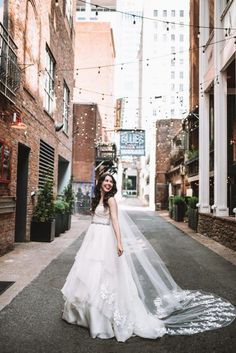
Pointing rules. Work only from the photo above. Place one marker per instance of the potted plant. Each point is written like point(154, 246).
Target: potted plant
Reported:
point(193, 213)
point(179, 207)
point(69, 198)
point(171, 201)
point(43, 221)
point(59, 211)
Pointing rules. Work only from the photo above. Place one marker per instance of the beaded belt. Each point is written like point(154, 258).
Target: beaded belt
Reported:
point(104, 224)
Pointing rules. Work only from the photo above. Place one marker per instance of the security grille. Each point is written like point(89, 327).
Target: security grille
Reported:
point(46, 163)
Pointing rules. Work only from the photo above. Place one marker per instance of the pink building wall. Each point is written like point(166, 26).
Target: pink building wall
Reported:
point(94, 47)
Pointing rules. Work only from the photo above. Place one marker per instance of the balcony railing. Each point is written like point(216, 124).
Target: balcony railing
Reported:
point(9, 69)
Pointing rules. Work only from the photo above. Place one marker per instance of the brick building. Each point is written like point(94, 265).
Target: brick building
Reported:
point(86, 131)
point(167, 129)
point(96, 84)
point(36, 84)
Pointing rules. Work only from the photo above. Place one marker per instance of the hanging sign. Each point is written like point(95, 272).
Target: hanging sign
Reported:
point(132, 142)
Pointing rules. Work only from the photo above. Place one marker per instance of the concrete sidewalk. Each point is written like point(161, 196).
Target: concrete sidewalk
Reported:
point(218, 248)
point(28, 260)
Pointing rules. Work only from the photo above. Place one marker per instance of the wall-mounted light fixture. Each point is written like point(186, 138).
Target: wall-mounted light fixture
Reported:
point(17, 122)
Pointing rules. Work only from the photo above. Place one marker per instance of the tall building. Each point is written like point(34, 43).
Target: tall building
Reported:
point(126, 29)
point(35, 108)
point(94, 83)
point(217, 122)
point(165, 76)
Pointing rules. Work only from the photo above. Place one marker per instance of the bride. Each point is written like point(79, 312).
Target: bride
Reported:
point(119, 287)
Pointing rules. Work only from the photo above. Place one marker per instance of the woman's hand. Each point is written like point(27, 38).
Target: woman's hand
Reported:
point(119, 249)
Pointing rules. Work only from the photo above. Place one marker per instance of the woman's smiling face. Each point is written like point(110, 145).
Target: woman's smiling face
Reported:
point(107, 184)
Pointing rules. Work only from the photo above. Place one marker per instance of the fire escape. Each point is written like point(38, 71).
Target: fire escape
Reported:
point(9, 70)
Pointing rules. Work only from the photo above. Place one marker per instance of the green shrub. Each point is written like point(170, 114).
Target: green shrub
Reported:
point(59, 206)
point(69, 196)
point(192, 202)
point(44, 210)
point(179, 200)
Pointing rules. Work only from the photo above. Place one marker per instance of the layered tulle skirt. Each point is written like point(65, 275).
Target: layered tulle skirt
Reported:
point(100, 293)
point(134, 294)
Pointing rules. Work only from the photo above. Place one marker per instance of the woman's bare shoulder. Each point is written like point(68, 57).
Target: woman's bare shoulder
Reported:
point(111, 201)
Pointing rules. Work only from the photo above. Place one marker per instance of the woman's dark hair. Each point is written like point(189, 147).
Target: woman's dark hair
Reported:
point(97, 192)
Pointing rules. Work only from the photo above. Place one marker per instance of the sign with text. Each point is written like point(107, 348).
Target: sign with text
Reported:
point(132, 142)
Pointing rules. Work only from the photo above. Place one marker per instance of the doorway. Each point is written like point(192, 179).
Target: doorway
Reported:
point(21, 192)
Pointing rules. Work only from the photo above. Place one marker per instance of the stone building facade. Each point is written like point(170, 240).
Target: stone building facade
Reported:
point(217, 122)
point(39, 36)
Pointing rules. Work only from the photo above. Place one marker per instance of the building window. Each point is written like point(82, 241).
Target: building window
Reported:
point(181, 87)
point(211, 15)
point(49, 82)
point(155, 37)
point(172, 37)
point(172, 50)
point(181, 37)
point(172, 100)
point(154, 113)
point(172, 87)
point(164, 13)
point(172, 112)
point(5, 163)
point(181, 13)
point(172, 62)
point(181, 61)
point(181, 74)
point(164, 37)
point(172, 74)
point(66, 107)
point(155, 13)
point(68, 11)
point(172, 13)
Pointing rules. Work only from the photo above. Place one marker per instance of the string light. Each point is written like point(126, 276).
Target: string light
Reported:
point(155, 19)
point(203, 47)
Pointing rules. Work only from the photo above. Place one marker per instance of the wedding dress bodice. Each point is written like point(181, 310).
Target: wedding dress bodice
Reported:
point(101, 215)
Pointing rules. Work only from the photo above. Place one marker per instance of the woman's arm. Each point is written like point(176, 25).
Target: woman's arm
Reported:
point(114, 218)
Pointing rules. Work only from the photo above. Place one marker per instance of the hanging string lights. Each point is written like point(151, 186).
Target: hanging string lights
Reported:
point(132, 15)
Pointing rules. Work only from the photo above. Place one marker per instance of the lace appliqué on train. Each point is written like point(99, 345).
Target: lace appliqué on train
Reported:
point(214, 312)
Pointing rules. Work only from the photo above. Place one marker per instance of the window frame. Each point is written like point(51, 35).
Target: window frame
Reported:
point(49, 83)
point(66, 107)
point(2, 179)
point(69, 11)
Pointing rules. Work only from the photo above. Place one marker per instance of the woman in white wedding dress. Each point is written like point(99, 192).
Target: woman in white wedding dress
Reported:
point(121, 293)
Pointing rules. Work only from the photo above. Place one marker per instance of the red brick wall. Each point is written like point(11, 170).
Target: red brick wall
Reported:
point(87, 130)
point(166, 130)
point(32, 28)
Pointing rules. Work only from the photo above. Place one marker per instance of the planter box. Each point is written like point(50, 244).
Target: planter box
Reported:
point(193, 218)
point(178, 212)
point(68, 221)
point(42, 231)
point(59, 224)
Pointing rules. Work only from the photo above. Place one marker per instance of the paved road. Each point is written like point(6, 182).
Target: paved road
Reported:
point(32, 322)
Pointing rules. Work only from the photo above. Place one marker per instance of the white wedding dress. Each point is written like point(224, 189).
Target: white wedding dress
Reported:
point(133, 294)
